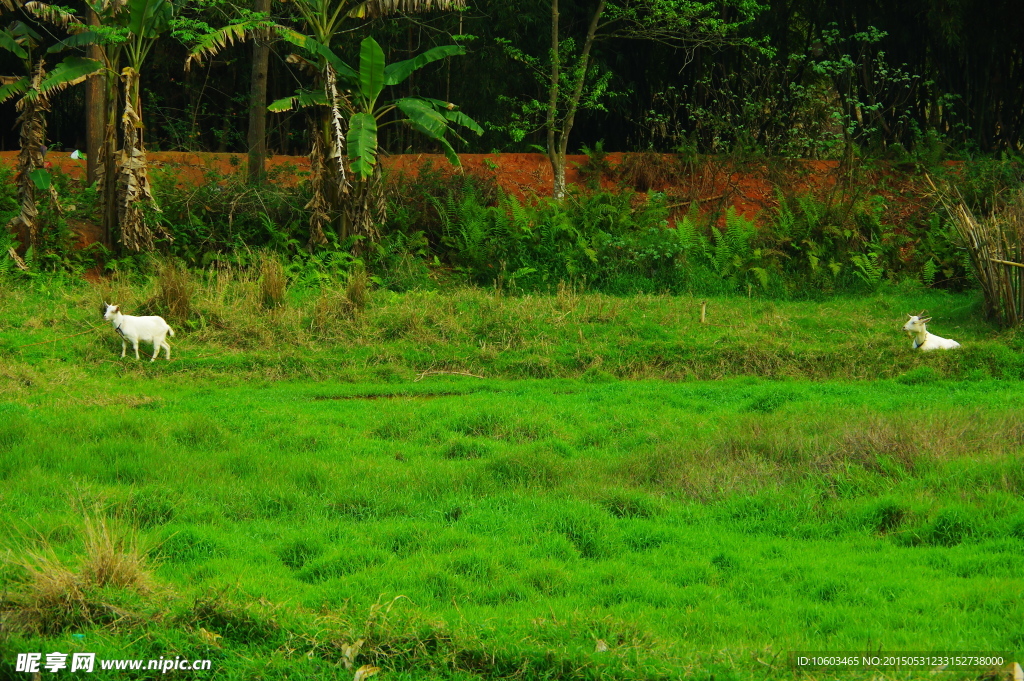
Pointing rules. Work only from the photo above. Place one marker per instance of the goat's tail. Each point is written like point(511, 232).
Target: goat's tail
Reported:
point(170, 331)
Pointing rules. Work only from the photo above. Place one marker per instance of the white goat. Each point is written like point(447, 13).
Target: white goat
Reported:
point(923, 340)
point(150, 329)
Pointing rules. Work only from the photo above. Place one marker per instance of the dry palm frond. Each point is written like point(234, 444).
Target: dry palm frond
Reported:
point(318, 206)
point(17, 259)
point(57, 16)
point(134, 190)
point(32, 130)
point(366, 206)
point(371, 9)
point(212, 43)
point(304, 65)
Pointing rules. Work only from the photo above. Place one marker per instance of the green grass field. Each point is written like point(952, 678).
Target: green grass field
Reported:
point(594, 507)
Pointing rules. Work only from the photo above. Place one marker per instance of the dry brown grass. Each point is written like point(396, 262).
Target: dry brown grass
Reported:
point(329, 310)
point(357, 288)
point(273, 281)
point(648, 170)
point(175, 289)
point(995, 244)
point(761, 452)
point(55, 594)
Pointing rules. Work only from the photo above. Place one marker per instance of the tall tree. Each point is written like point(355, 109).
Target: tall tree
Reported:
point(364, 207)
point(571, 80)
point(256, 138)
point(35, 88)
point(95, 116)
point(125, 30)
point(336, 196)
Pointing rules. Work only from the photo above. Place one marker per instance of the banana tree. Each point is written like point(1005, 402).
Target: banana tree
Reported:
point(35, 89)
point(127, 32)
point(364, 206)
point(337, 200)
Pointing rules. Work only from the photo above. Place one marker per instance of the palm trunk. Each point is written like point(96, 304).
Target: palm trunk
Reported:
point(32, 132)
point(257, 137)
point(106, 162)
point(95, 123)
point(133, 188)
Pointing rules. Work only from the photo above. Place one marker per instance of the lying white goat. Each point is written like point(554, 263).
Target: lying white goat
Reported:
point(150, 329)
point(922, 339)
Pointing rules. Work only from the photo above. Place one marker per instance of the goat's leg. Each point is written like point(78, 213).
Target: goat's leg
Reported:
point(124, 347)
point(167, 347)
point(156, 350)
point(135, 344)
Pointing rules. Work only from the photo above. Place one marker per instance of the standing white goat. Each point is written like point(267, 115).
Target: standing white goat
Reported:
point(150, 329)
point(923, 340)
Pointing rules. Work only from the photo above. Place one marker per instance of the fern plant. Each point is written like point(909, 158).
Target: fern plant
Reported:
point(868, 269)
point(731, 252)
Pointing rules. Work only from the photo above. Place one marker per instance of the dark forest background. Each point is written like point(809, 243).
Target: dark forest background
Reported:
point(925, 76)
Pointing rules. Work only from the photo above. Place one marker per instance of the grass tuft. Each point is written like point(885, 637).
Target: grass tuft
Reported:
point(273, 281)
point(54, 595)
point(175, 291)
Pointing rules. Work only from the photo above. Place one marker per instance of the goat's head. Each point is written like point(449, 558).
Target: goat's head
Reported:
point(110, 310)
point(916, 323)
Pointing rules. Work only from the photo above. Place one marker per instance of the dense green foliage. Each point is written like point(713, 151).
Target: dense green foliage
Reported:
point(908, 76)
point(850, 236)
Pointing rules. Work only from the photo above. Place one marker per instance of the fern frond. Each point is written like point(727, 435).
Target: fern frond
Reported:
point(686, 233)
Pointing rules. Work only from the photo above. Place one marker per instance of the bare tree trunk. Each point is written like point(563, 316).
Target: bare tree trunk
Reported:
point(257, 139)
point(558, 169)
point(95, 112)
point(558, 140)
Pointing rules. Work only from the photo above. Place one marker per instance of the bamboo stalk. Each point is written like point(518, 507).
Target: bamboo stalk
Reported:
point(995, 245)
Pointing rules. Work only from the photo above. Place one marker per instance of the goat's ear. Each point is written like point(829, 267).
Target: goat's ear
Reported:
point(925, 320)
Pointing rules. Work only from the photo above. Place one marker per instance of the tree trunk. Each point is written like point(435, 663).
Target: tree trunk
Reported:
point(32, 130)
point(95, 116)
point(558, 140)
point(107, 158)
point(557, 167)
point(257, 136)
point(134, 191)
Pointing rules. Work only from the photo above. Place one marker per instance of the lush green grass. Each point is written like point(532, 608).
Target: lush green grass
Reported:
point(227, 333)
point(498, 528)
point(522, 521)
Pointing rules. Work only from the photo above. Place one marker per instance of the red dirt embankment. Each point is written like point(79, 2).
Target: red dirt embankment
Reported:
point(713, 184)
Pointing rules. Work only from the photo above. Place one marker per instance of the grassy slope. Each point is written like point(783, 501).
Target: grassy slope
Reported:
point(695, 526)
point(228, 333)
